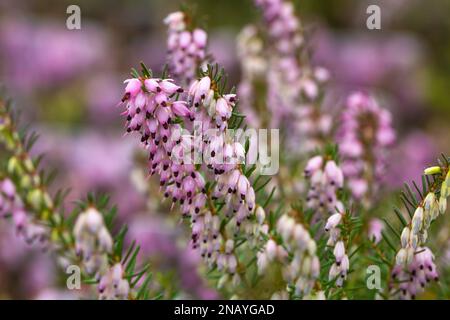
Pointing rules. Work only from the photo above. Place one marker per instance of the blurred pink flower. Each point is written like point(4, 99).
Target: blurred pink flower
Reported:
point(407, 162)
point(40, 54)
point(158, 239)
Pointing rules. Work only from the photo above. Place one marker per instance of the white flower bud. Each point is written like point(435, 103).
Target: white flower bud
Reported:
point(339, 251)
point(282, 254)
point(229, 246)
point(429, 201)
point(414, 240)
point(333, 221)
point(222, 281)
point(271, 249)
point(417, 220)
point(345, 264)
point(312, 247)
point(313, 165)
point(236, 280)
point(260, 215)
point(442, 205)
point(315, 267)
point(409, 255)
point(400, 258)
point(262, 262)
point(444, 189)
point(334, 272)
point(404, 238)
point(232, 263)
point(105, 240)
point(94, 220)
point(432, 170)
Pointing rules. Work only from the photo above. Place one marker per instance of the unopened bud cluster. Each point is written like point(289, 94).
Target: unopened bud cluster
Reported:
point(304, 268)
point(364, 137)
point(376, 227)
point(186, 48)
point(113, 285)
point(414, 262)
point(296, 254)
point(93, 241)
point(11, 205)
point(254, 64)
point(293, 86)
point(414, 269)
point(325, 178)
point(339, 269)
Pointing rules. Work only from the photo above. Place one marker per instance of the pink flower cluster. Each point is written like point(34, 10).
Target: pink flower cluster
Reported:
point(303, 269)
point(93, 241)
point(312, 126)
point(223, 155)
point(376, 227)
point(94, 244)
point(339, 269)
point(325, 178)
point(365, 134)
point(412, 274)
point(186, 49)
point(293, 86)
point(151, 111)
point(113, 285)
point(12, 205)
point(282, 24)
point(284, 75)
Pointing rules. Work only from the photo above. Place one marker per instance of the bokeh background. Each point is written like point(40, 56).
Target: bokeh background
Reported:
point(67, 83)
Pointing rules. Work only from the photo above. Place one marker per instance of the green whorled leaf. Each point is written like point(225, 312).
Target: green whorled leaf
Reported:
point(60, 196)
point(90, 281)
point(138, 275)
point(48, 178)
point(132, 261)
point(146, 72)
point(412, 195)
point(250, 170)
point(269, 198)
point(134, 73)
point(388, 241)
point(424, 185)
point(395, 232)
point(263, 185)
point(419, 192)
point(31, 140)
point(400, 217)
point(70, 219)
point(247, 145)
point(407, 204)
point(110, 216)
point(144, 287)
point(119, 240)
point(128, 253)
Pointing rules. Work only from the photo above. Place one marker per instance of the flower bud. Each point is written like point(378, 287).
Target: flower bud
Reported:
point(333, 221)
point(404, 238)
point(432, 170)
point(271, 249)
point(417, 220)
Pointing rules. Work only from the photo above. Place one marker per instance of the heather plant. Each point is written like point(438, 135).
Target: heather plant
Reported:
point(82, 237)
point(310, 231)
